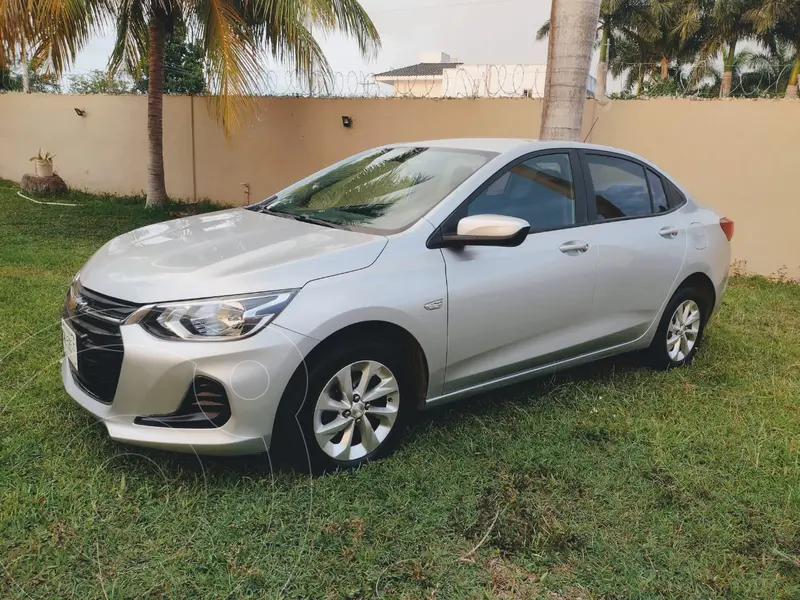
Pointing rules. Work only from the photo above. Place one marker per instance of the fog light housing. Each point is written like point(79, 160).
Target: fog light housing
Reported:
point(204, 406)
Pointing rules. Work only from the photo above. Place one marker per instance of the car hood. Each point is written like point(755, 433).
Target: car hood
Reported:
point(224, 253)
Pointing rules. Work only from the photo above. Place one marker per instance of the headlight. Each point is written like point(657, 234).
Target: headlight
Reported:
point(73, 291)
point(227, 318)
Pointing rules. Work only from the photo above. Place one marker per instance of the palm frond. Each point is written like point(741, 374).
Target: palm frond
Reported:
point(543, 31)
point(280, 27)
point(131, 43)
point(16, 30)
point(768, 13)
point(233, 67)
point(688, 20)
point(378, 183)
point(63, 27)
point(704, 64)
point(661, 12)
point(350, 18)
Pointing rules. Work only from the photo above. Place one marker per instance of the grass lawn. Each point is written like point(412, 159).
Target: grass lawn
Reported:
point(612, 481)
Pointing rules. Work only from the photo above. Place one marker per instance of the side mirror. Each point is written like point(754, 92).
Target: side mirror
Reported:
point(487, 230)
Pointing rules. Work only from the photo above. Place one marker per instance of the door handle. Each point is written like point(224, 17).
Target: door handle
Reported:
point(574, 246)
point(668, 232)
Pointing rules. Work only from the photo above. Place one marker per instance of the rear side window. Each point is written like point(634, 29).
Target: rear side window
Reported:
point(676, 198)
point(660, 203)
point(620, 187)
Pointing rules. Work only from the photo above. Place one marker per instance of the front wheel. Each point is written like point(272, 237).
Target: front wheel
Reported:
point(680, 330)
point(350, 407)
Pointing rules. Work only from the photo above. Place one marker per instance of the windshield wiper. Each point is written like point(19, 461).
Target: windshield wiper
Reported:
point(314, 220)
point(299, 217)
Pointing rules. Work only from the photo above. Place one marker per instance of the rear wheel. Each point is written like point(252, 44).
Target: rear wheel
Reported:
point(680, 330)
point(350, 407)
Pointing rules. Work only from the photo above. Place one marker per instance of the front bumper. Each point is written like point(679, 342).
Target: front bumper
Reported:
point(156, 374)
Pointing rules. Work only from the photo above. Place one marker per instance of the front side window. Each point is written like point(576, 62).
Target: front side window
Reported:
point(384, 190)
point(539, 190)
point(620, 187)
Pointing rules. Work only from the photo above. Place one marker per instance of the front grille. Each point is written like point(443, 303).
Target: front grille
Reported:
point(96, 320)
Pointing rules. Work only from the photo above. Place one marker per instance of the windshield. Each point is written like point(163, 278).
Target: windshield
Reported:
point(385, 189)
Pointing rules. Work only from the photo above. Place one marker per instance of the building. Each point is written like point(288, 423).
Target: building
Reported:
point(449, 78)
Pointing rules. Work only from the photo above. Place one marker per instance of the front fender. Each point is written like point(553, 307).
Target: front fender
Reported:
point(406, 289)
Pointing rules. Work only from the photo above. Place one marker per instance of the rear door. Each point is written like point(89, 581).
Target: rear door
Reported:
point(510, 309)
point(641, 242)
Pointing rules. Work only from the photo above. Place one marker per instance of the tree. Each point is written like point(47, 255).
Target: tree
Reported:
point(649, 43)
point(719, 25)
point(98, 82)
point(37, 81)
point(634, 59)
point(573, 25)
point(183, 67)
point(753, 74)
point(781, 19)
point(229, 33)
point(617, 19)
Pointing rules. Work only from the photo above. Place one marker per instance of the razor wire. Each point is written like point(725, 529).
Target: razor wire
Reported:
point(635, 80)
point(682, 82)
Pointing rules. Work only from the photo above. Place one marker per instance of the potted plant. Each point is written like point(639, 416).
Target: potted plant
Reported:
point(44, 163)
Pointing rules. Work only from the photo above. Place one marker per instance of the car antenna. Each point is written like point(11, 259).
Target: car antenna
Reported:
point(590, 130)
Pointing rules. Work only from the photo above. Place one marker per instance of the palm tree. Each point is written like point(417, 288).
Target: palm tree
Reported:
point(766, 72)
point(573, 29)
point(639, 63)
point(665, 41)
point(630, 60)
point(781, 19)
point(230, 33)
point(617, 18)
point(719, 25)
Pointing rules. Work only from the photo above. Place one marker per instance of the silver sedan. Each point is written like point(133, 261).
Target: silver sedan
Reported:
point(315, 323)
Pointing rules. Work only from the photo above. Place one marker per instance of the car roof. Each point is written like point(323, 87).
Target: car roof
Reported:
point(503, 145)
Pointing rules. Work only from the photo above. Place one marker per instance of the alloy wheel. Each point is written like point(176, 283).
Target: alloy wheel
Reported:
point(356, 410)
point(684, 327)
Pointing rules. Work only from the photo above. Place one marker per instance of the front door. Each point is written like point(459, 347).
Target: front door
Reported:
point(510, 309)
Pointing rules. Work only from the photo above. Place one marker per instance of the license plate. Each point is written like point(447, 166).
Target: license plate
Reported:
point(70, 344)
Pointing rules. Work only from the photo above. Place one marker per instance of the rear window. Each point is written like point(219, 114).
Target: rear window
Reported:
point(382, 190)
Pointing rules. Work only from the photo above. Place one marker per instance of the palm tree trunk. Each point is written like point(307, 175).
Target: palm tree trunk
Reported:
point(23, 61)
point(602, 65)
point(640, 81)
point(664, 68)
point(727, 72)
point(572, 29)
point(156, 187)
point(791, 89)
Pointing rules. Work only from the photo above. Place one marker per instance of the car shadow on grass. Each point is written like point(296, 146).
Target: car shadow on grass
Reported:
point(538, 390)
point(534, 390)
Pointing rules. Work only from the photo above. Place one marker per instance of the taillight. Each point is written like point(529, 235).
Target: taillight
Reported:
point(727, 227)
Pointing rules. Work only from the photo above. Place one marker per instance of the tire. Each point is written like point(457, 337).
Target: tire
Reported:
point(296, 440)
point(685, 325)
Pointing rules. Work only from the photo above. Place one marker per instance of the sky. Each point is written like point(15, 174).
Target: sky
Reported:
point(472, 31)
